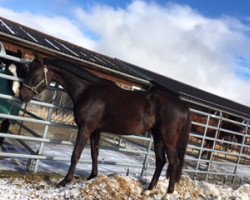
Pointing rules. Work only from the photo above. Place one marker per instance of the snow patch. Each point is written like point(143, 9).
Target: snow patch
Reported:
point(116, 187)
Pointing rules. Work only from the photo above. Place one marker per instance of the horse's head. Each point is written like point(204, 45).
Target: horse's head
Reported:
point(37, 80)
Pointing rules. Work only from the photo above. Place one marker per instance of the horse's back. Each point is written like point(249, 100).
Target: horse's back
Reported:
point(129, 112)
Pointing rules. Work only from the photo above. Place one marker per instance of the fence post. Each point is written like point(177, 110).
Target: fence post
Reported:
point(145, 163)
point(45, 133)
point(241, 150)
point(214, 145)
point(202, 144)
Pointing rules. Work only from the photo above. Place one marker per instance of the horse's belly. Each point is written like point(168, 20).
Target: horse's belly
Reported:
point(130, 125)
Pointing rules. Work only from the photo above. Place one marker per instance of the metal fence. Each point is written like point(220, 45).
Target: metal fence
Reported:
point(229, 159)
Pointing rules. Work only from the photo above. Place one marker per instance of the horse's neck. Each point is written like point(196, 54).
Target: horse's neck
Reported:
point(72, 84)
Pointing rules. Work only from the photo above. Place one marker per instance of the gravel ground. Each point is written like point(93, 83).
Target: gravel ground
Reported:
point(115, 187)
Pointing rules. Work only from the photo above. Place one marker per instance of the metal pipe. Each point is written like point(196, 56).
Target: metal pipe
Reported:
point(214, 144)
point(26, 119)
point(38, 103)
point(217, 151)
point(218, 140)
point(216, 162)
point(241, 150)
point(45, 133)
point(202, 144)
point(35, 139)
point(145, 162)
point(12, 78)
point(136, 137)
point(197, 101)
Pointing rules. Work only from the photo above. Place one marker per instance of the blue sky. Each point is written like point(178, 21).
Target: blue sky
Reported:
point(204, 43)
point(212, 8)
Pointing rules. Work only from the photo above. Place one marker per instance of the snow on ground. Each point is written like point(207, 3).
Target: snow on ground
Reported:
point(60, 167)
point(106, 186)
point(116, 187)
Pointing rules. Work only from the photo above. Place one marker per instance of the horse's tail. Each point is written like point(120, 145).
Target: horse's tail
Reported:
point(182, 145)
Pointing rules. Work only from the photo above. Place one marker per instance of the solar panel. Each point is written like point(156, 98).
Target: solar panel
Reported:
point(4, 28)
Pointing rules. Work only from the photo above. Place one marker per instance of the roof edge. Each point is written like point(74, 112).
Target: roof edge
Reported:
point(47, 50)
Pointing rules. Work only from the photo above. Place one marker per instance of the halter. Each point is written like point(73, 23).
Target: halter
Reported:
point(44, 80)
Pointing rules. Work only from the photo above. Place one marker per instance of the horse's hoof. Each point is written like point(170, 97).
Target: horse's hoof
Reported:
point(170, 190)
point(150, 187)
point(61, 184)
point(91, 177)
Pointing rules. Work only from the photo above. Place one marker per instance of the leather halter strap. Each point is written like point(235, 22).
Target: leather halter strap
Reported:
point(44, 80)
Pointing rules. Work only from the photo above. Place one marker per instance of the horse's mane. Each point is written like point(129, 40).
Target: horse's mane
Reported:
point(76, 70)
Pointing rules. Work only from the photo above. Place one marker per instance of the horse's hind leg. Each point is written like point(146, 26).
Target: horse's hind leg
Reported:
point(172, 166)
point(94, 143)
point(82, 137)
point(170, 137)
point(160, 160)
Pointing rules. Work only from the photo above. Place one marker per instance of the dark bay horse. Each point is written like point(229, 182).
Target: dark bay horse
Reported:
point(100, 105)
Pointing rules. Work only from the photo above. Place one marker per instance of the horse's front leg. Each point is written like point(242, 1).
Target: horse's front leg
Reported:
point(4, 129)
point(82, 137)
point(94, 143)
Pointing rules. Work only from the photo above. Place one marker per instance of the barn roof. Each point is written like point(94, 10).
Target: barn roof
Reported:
point(36, 40)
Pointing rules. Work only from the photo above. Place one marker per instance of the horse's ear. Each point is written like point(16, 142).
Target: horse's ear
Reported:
point(38, 58)
point(41, 61)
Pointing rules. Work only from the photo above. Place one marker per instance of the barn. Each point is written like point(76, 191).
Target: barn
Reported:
point(37, 121)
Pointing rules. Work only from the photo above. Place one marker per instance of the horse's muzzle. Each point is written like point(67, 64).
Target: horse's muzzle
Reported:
point(25, 94)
